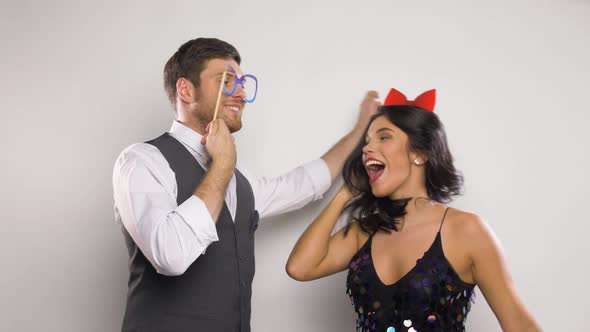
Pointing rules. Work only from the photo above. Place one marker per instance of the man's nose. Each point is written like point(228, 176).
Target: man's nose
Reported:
point(240, 92)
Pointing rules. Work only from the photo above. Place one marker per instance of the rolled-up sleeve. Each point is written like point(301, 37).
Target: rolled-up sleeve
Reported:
point(292, 190)
point(170, 236)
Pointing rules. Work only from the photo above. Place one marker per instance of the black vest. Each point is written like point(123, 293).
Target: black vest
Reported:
point(214, 294)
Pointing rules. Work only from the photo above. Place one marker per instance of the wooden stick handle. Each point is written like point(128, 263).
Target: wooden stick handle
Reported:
point(219, 94)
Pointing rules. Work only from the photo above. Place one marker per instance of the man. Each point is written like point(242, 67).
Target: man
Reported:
point(189, 214)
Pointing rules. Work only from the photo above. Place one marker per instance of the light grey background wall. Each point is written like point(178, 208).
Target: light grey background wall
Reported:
point(80, 80)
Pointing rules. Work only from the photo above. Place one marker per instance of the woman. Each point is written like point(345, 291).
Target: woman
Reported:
point(412, 261)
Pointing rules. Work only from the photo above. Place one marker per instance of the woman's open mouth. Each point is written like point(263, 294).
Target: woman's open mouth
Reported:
point(374, 169)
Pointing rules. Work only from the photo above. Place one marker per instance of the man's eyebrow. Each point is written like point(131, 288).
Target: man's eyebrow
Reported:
point(229, 73)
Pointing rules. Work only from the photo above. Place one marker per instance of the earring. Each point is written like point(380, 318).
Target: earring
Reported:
point(417, 162)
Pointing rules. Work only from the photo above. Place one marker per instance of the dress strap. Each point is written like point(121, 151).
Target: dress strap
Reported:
point(443, 219)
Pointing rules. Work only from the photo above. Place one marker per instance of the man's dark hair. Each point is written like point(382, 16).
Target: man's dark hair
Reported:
point(190, 60)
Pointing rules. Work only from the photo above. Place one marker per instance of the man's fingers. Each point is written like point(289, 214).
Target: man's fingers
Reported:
point(372, 94)
point(213, 127)
point(207, 132)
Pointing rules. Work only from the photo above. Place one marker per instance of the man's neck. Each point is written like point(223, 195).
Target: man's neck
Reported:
point(194, 125)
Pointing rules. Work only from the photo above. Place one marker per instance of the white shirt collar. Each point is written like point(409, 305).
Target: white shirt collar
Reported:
point(188, 137)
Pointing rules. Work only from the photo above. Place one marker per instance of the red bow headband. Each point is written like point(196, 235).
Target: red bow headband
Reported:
point(425, 100)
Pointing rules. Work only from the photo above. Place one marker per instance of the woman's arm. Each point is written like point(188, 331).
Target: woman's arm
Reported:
point(493, 278)
point(316, 254)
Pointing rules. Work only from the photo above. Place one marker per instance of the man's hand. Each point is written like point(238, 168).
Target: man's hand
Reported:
point(337, 155)
point(369, 107)
point(220, 146)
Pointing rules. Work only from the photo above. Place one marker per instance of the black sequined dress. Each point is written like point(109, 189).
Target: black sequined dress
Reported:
point(429, 298)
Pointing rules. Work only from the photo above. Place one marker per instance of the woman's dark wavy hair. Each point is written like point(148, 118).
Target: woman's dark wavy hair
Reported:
point(426, 135)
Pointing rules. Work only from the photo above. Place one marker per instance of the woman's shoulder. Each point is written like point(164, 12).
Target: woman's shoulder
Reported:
point(355, 230)
point(466, 225)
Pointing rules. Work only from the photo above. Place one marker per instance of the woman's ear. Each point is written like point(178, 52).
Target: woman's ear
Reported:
point(418, 158)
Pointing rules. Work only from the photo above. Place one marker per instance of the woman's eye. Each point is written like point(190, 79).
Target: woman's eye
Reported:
point(383, 138)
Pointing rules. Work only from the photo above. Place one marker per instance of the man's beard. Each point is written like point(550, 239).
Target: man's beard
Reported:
point(233, 124)
point(206, 117)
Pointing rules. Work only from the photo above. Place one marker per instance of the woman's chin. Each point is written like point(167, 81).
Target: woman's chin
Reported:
point(379, 192)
